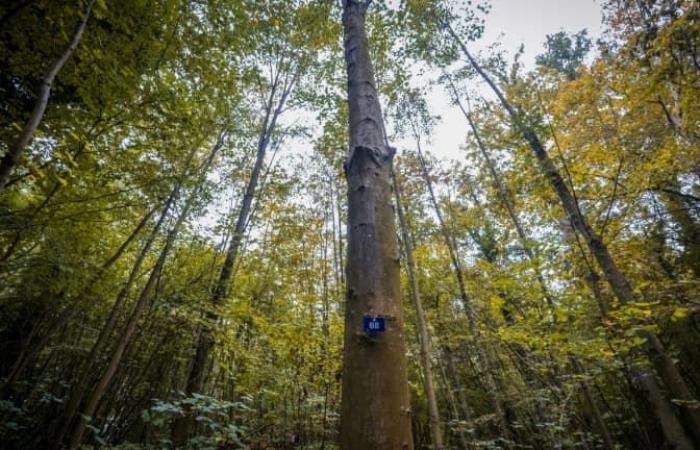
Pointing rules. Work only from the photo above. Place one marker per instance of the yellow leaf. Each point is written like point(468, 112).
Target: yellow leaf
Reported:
point(679, 314)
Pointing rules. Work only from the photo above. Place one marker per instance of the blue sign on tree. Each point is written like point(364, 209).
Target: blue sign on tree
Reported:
point(373, 324)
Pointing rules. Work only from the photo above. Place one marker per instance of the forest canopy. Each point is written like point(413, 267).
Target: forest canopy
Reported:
point(225, 224)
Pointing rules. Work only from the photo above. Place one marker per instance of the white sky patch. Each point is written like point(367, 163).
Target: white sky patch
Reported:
point(510, 24)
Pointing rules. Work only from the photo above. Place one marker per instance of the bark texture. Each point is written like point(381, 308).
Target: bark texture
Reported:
point(13, 154)
point(375, 410)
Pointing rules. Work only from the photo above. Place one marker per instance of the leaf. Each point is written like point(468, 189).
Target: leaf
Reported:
point(679, 314)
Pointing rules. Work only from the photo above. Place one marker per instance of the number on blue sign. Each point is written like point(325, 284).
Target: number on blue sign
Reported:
point(373, 324)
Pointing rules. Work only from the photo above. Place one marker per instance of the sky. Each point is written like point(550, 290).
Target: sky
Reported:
point(512, 23)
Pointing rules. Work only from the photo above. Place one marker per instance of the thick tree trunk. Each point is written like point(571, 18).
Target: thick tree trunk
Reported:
point(424, 335)
point(375, 410)
point(10, 159)
point(615, 278)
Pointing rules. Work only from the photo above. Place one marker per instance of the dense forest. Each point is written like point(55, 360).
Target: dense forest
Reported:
point(224, 224)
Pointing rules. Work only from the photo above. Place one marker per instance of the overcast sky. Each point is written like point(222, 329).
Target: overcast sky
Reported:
point(512, 23)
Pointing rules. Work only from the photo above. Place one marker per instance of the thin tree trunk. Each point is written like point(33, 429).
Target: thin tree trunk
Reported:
point(449, 242)
point(325, 312)
point(63, 423)
point(482, 354)
point(617, 281)
point(34, 348)
point(336, 260)
point(15, 151)
point(506, 201)
point(597, 416)
point(453, 380)
point(138, 308)
point(205, 340)
point(341, 252)
point(124, 339)
point(375, 409)
point(464, 442)
point(424, 336)
point(510, 209)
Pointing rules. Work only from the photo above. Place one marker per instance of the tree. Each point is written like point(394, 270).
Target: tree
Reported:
point(15, 151)
point(375, 411)
point(564, 52)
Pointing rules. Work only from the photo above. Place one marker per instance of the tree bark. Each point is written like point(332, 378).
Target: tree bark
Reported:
point(424, 335)
point(375, 409)
point(12, 156)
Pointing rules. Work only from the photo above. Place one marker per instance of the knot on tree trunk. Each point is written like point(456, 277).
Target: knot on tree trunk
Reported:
point(379, 155)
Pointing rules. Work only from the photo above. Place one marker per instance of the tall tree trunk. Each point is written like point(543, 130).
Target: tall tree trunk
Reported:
point(86, 370)
point(375, 410)
point(13, 154)
point(482, 354)
point(618, 282)
point(449, 242)
point(505, 198)
point(424, 335)
point(341, 253)
point(336, 260)
point(143, 299)
point(205, 340)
